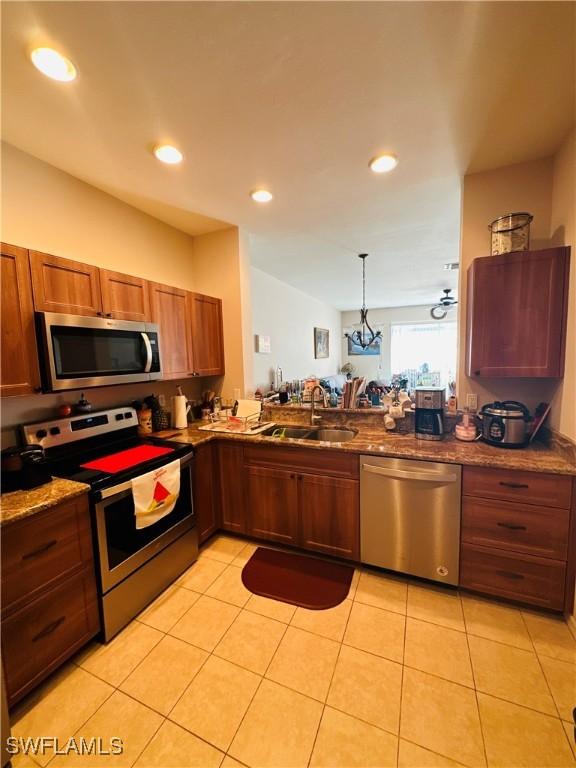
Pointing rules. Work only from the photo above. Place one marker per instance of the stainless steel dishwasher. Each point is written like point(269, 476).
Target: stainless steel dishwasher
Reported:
point(410, 516)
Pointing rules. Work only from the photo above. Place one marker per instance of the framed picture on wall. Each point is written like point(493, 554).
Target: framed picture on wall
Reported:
point(321, 343)
point(373, 349)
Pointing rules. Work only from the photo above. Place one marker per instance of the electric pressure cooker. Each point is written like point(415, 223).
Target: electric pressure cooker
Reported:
point(505, 423)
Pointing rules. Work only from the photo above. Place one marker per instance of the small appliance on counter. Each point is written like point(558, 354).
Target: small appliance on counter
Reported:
point(505, 423)
point(23, 468)
point(466, 428)
point(429, 416)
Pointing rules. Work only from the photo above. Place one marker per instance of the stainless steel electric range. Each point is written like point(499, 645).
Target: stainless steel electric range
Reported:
point(134, 564)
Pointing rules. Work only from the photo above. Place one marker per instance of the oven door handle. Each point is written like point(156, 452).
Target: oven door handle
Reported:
point(127, 486)
point(146, 340)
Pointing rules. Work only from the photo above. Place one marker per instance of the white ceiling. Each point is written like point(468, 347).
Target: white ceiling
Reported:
point(297, 97)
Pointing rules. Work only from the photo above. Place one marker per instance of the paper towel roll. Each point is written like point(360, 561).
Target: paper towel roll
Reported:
point(180, 408)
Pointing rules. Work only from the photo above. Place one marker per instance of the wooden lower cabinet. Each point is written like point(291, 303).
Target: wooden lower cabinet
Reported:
point(231, 487)
point(272, 504)
point(329, 515)
point(518, 536)
point(535, 580)
point(304, 498)
point(204, 488)
point(49, 597)
point(42, 635)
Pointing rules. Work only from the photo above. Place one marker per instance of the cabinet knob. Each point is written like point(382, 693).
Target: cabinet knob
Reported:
point(476, 373)
point(108, 314)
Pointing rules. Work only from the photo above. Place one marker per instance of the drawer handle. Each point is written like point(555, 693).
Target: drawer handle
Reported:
point(510, 575)
point(512, 526)
point(48, 629)
point(40, 550)
point(514, 485)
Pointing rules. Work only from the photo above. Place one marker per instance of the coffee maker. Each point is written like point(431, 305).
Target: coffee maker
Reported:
point(429, 416)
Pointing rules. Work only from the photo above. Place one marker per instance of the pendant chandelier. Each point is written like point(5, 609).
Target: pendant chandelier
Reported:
point(365, 336)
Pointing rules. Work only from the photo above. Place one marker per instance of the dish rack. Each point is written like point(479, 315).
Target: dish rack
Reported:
point(238, 424)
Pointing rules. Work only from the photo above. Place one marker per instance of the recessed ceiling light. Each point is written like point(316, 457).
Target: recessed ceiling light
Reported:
point(261, 195)
point(383, 163)
point(168, 154)
point(53, 64)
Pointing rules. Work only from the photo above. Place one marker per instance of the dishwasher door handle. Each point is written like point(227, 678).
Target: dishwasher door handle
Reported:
point(402, 474)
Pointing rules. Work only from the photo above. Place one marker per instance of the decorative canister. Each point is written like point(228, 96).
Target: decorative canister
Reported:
point(510, 233)
point(160, 419)
point(145, 421)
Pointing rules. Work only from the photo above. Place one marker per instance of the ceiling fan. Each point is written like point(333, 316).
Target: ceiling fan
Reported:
point(446, 302)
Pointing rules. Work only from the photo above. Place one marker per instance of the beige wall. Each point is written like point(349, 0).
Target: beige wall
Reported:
point(563, 232)
point(46, 209)
point(487, 195)
point(382, 320)
point(289, 317)
point(219, 271)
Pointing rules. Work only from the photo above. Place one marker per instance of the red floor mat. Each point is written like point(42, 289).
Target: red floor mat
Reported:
point(297, 579)
point(116, 462)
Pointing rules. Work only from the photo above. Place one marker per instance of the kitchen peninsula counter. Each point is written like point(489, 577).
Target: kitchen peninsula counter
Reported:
point(18, 504)
point(536, 457)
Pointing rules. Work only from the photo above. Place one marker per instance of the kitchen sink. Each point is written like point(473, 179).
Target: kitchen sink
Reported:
point(332, 435)
point(324, 434)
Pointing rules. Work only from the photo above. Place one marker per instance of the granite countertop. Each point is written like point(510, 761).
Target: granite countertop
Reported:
point(18, 504)
point(368, 440)
point(537, 457)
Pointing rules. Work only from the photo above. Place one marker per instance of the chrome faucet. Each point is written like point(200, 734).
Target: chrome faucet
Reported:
point(313, 417)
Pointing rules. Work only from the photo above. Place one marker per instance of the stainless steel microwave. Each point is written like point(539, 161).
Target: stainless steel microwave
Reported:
point(79, 352)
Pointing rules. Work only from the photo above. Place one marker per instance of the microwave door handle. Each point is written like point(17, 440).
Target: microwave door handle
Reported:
point(148, 346)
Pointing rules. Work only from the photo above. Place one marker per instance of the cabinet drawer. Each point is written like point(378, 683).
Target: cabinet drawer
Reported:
point(44, 547)
point(513, 485)
point(48, 630)
point(309, 460)
point(526, 528)
point(527, 579)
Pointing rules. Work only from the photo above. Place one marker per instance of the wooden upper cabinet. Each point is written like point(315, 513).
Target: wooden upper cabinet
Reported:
point(207, 335)
point(517, 314)
point(63, 285)
point(170, 308)
point(124, 297)
point(19, 374)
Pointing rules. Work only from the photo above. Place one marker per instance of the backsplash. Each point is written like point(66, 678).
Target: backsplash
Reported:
point(24, 410)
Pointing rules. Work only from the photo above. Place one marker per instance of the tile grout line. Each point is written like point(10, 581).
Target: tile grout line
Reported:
point(482, 734)
point(324, 703)
point(402, 680)
point(262, 678)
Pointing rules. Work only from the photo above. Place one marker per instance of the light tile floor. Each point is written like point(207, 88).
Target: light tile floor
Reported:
point(399, 674)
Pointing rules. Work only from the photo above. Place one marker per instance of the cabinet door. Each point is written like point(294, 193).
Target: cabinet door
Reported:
point(329, 515)
point(207, 335)
point(124, 297)
point(171, 310)
point(42, 635)
point(272, 504)
point(517, 312)
point(205, 474)
point(20, 374)
point(231, 476)
point(63, 285)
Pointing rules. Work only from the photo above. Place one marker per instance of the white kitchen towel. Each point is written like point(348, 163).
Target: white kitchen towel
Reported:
point(156, 493)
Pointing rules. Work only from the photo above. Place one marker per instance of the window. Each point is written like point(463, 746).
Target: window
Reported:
point(424, 353)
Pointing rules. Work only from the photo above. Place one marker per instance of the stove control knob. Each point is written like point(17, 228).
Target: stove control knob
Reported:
point(41, 433)
point(54, 430)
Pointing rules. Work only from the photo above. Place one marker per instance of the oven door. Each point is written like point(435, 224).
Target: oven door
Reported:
point(79, 352)
point(122, 548)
